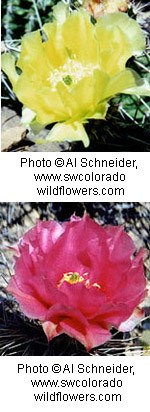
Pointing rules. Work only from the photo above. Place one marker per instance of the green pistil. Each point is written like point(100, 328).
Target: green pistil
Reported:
point(67, 80)
point(74, 277)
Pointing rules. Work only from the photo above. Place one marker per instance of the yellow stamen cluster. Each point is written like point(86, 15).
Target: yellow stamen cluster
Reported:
point(74, 277)
point(71, 72)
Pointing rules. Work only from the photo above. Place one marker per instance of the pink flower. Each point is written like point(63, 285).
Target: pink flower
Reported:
point(80, 279)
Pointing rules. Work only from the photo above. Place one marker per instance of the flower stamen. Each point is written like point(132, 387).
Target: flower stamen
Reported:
point(71, 72)
point(72, 278)
point(95, 285)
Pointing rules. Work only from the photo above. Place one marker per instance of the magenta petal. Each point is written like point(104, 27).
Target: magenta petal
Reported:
point(59, 312)
point(79, 297)
point(48, 233)
point(96, 336)
point(121, 246)
point(132, 321)
point(31, 306)
point(49, 329)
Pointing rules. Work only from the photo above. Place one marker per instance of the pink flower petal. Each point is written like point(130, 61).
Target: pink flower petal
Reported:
point(132, 321)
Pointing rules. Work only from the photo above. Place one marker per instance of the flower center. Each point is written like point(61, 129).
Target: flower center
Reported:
point(70, 73)
point(71, 277)
point(74, 277)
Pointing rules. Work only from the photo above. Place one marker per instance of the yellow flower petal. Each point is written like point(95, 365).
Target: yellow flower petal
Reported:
point(129, 27)
point(33, 61)
point(119, 37)
point(61, 12)
point(123, 80)
point(101, 80)
point(142, 88)
point(47, 105)
point(115, 53)
point(79, 37)
point(99, 112)
point(8, 66)
point(70, 132)
point(27, 116)
point(51, 107)
point(26, 92)
point(78, 103)
point(54, 46)
point(88, 102)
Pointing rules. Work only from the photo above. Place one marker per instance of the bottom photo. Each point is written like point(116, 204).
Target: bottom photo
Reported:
point(74, 279)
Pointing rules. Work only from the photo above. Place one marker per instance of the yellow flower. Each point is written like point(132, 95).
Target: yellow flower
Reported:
point(71, 76)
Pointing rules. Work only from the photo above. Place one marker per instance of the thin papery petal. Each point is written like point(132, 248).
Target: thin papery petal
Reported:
point(87, 102)
point(30, 306)
point(72, 330)
point(27, 116)
point(8, 66)
point(114, 314)
point(129, 28)
point(139, 258)
point(83, 40)
point(26, 92)
point(142, 88)
point(132, 321)
point(31, 49)
point(76, 326)
point(50, 329)
point(121, 246)
point(126, 40)
point(80, 296)
point(69, 132)
point(68, 321)
point(44, 102)
point(40, 291)
point(101, 80)
point(51, 107)
point(115, 53)
point(120, 82)
point(54, 45)
point(60, 12)
point(96, 336)
point(48, 234)
point(131, 293)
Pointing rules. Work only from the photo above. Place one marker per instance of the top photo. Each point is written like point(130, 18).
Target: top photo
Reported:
point(75, 76)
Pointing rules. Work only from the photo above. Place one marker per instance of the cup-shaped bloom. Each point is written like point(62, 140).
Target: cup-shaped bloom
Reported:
point(71, 76)
point(79, 278)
